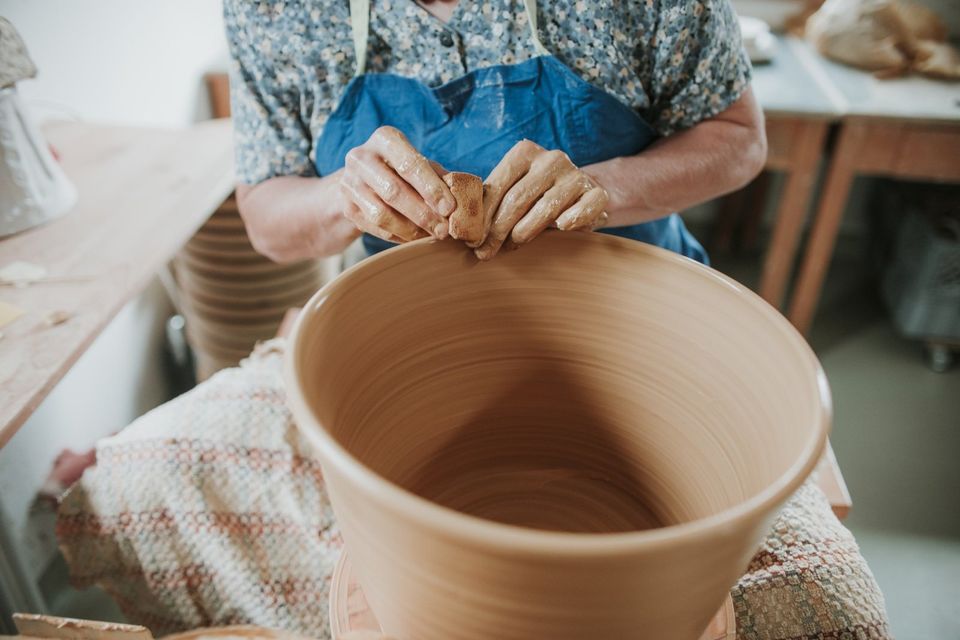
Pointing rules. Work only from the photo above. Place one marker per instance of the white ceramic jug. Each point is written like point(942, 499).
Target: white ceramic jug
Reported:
point(33, 187)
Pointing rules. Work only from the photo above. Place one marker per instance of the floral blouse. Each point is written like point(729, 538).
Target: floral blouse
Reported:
point(676, 62)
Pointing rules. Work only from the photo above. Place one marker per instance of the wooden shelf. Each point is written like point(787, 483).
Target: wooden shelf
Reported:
point(142, 194)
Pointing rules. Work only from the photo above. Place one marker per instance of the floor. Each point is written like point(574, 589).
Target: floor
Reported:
point(896, 434)
point(897, 437)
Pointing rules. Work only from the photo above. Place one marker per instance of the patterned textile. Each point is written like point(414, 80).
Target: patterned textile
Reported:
point(808, 580)
point(209, 511)
point(676, 62)
point(205, 511)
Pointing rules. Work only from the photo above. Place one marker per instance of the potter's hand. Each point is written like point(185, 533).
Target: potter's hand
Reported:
point(532, 189)
point(392, 191)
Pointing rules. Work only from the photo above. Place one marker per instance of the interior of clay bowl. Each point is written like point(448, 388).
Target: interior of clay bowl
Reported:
point(582, 384)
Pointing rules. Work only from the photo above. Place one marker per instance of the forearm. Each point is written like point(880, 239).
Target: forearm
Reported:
point(712, 158)
point(294, 218)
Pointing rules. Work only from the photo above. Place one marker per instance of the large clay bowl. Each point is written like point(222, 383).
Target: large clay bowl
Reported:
point(583, 439)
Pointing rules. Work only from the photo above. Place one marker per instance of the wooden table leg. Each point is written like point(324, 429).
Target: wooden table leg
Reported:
point(823, 235)
point(757, 194)
point(728, 216)
point(792, 211)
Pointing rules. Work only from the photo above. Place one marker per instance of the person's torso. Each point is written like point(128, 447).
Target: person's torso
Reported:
point(311, 45)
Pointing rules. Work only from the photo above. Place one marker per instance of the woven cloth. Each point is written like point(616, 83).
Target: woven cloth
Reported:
point(211, 511)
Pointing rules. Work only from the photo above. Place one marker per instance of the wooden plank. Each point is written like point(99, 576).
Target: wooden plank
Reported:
point(806, 148)
point(879, 143)
point(758, 195)
point(826, 223)
point(929, 153)
point(40, 626)
point(913, 151)
point(831, 482)
point(783, 135)
point(218, 86)
point(142, 194)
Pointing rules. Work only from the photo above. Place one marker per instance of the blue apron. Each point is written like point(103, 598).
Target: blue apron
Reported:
point(470, 123)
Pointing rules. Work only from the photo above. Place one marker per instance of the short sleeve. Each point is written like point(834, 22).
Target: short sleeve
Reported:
point(270, 136)
point(699, 65)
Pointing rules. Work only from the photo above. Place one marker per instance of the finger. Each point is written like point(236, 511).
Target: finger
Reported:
point(413, 167)
point(586, 213)
point(601, 221)
point(352, 213)
point(378, 213)
point(597, 224)
point(511, 168)
point(544, 171)
point(548, 208)
point(395, 191)
point(466, 222)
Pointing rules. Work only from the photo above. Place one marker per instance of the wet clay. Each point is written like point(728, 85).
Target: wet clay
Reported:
point(584, 438)
point(467, 222)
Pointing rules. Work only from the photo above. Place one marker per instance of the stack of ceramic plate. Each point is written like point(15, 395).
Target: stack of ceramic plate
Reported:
point(236, 633)
point(232, 296)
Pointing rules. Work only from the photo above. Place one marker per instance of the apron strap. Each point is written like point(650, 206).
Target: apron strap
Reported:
point(360, 23)
point(531, 8)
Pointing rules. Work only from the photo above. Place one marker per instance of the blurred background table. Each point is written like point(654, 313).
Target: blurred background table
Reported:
point(799, 108)
point(906, 128)
point(830, 119)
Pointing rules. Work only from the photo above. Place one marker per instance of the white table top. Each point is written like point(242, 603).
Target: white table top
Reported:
point(912, 97)
point(142, 194)
point(790, 85)
point(799, 81)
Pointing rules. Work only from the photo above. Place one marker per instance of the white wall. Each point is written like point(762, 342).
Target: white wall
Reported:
point(133, 62)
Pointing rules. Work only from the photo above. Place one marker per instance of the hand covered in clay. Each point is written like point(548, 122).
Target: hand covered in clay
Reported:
point(392, 191)
point(532, 189)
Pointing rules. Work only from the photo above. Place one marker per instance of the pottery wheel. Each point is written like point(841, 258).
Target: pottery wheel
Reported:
point(349, 610)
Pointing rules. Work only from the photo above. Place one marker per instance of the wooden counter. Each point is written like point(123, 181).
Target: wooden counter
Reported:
point(142, 194)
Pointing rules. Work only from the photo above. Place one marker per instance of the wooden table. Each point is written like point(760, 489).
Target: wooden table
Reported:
point(142, 194)
point(903, 128)
point(799, 109)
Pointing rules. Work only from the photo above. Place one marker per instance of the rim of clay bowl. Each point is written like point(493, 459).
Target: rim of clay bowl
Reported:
point(487, 533)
